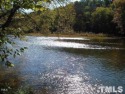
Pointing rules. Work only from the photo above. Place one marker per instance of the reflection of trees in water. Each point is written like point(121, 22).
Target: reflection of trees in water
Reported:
point(9, 80)
point(114, 59)
point(11, 83)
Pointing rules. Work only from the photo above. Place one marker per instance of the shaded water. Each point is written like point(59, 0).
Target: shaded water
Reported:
point(53, 65)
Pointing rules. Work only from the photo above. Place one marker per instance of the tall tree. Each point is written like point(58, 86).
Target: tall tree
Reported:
point(102, 20)
point(119, 14)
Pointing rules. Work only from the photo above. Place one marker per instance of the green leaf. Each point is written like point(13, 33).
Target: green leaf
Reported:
point(25, 48)
point(18, 54)
point(9, 64)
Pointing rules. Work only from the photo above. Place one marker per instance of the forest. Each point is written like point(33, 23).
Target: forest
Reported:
point(95, 16)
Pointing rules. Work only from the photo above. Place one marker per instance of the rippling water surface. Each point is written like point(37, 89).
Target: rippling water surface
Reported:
point(59, 65)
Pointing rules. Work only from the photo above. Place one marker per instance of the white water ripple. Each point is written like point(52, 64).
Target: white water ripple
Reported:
point(55, 42)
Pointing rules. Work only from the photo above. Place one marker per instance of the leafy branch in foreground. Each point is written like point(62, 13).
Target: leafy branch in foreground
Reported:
point(6, 50)
point(11, 19)
point(8, 13)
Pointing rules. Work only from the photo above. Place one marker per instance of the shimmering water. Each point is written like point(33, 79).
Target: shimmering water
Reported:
point(53, 65)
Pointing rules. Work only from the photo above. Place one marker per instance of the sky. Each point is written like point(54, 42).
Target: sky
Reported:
point(75, 0)
point(29, 10)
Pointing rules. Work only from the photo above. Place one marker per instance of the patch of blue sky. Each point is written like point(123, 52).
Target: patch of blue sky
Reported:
point(51, 6)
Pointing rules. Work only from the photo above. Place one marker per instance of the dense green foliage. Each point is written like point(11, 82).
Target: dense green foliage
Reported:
point(97, 16)
point(119, 14)
point(101, 16)
point(102, 20)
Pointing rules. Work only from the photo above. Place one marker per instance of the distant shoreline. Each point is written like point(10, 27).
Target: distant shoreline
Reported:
point(88, 35)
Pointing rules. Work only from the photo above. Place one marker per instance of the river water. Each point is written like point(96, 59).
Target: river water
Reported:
point(60, 65)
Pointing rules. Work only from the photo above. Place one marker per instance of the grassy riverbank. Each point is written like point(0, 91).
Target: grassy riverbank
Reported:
point(88, 35)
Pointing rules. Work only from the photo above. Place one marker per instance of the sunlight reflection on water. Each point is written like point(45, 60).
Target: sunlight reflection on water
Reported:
point(55, 42)
point(70, 68)
point(65, 83)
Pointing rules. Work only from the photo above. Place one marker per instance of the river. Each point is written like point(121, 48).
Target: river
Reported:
point(62, 65)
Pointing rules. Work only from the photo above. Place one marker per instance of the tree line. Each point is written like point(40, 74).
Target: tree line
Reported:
point(97, 16)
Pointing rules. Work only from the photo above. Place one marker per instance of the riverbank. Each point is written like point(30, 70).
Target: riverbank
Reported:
point(88, 35)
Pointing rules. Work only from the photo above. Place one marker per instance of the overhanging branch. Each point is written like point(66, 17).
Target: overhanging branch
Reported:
point(10, 17)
